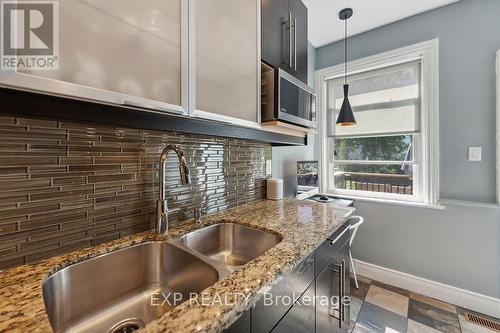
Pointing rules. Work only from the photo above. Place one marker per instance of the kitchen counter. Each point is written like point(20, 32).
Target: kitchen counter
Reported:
point(303, 225)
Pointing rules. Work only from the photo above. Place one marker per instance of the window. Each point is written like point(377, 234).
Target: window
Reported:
point(392, 152)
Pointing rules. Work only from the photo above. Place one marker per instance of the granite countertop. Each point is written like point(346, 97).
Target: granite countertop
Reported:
point(303, 225)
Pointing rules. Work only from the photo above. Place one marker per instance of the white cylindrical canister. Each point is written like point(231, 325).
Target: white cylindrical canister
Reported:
point(275, 189)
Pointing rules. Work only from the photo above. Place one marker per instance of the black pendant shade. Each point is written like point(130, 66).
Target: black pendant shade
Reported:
point(346, 116)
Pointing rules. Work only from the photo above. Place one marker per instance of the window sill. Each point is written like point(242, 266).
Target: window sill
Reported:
point(390, 201)
point(475, 204)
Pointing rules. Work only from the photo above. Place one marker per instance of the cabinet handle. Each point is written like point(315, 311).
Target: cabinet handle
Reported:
point(342, 290)
point(295, 43)
point(339, 318)
point(290, 39)
point(339, 236)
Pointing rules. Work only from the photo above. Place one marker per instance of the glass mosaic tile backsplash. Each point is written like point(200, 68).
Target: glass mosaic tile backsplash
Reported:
point(65, 186)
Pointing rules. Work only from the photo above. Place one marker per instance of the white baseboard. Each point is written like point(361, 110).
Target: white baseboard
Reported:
point(453, 295)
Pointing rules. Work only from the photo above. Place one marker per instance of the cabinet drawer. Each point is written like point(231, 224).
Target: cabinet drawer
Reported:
point(327, 251)
point(264, 318)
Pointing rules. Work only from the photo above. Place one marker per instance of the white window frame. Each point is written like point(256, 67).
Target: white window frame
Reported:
point(428, 54)
point(498, 125)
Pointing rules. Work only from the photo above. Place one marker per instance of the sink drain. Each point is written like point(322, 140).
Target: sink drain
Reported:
point(127, 326)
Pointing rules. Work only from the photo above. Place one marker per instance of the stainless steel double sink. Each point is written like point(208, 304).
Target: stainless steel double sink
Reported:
point(121, 291)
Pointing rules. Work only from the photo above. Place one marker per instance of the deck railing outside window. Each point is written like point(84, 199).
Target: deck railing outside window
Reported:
point(374, 182)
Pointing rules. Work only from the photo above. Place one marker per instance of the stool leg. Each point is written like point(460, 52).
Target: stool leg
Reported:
point(353, 270)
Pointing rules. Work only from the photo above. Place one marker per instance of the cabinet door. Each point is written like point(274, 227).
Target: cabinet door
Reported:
point(300, 318)
point(265, 316)
point(227, 61)
point(275, 33)
point(332, 284)
point(115, 51)
point(325, 253)
point(299, 32)
point(242, 325)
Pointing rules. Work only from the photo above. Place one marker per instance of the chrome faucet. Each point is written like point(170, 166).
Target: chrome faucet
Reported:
point(161, 204)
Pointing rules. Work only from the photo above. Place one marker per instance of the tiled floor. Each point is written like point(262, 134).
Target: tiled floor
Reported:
point(380, 308)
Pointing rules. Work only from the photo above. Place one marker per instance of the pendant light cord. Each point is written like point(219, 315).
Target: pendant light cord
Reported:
point(345, 51)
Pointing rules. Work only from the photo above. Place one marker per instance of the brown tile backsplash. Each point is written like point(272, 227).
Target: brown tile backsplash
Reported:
point(66, 185)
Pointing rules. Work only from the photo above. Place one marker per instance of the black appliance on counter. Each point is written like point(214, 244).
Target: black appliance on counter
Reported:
point(331, 199)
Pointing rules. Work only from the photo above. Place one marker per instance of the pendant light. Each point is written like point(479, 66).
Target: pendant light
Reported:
point(346, 116)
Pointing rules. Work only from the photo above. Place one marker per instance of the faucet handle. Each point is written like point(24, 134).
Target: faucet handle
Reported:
point(197, 212)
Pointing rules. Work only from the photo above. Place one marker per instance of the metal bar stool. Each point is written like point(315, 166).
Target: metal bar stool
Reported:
point(354, 228)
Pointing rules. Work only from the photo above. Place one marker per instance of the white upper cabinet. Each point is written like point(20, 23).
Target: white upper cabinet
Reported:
point(227, 60)
point(192, 57)
point(116, 51)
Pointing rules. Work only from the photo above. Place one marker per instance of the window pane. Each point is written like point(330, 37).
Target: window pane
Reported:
point(396, 179)
point(384, 101)
point(384, 148)
point(307, 173)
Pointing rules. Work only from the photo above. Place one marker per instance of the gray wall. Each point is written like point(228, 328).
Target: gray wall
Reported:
point(285, 158)
point(460, 245)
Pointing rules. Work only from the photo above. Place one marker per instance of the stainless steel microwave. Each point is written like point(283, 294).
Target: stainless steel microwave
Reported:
point(288, 99)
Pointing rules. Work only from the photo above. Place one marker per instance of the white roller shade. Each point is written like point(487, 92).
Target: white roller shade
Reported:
point(385, 101)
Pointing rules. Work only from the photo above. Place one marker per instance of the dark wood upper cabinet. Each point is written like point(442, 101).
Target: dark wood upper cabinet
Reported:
point(299, 38)
point(284, 36)
point(275, 34)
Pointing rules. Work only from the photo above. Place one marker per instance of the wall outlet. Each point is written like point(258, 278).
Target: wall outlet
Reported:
point(269, 167)
point(475, 154)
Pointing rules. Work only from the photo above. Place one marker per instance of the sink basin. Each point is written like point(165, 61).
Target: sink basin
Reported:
point(229, 243)
point(120, 291)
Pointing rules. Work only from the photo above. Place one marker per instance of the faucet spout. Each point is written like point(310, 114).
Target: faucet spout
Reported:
point(161, 204)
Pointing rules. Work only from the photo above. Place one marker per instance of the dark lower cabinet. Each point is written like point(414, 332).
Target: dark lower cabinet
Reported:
point(325, 253)
point(333, 284)
point(313, 297)
point(300, 318)
point(242, 325)
point(283, 295)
